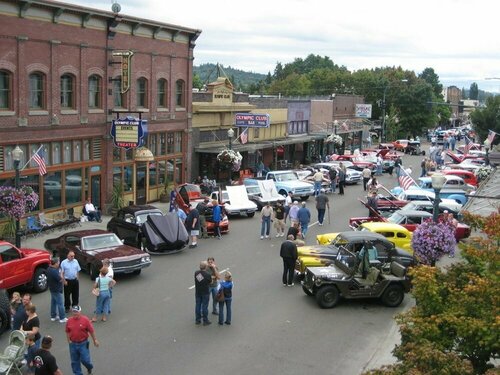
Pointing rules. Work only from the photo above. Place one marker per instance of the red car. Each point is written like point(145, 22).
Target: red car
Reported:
point(460, 158)
point(387, 201)
point(358, 162)
point(400, 145)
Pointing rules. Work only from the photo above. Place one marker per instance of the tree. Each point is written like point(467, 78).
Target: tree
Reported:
point(429, 76)
point(488, 118)
point(474, 91)
point(197, 82)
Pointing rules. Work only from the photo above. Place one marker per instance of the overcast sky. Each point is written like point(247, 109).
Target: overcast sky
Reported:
point(458, 38)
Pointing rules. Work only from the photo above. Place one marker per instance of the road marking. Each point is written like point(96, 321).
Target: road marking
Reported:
point(223, 271)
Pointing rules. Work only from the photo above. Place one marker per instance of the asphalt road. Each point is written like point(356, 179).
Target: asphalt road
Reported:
point(275, 329)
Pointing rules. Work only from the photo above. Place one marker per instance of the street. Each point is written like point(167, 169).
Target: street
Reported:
point(275, 329)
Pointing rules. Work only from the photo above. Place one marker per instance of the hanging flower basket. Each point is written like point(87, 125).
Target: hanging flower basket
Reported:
point(483, 173)
point(230, 159)
point(335, 139)
point(14, 203)
point(433, 240)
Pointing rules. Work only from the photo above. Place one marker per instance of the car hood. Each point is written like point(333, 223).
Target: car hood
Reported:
point(29, 252)
point(327, 272)
point(123, 251)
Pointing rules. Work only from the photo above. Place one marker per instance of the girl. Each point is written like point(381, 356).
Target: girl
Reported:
point(104, 283)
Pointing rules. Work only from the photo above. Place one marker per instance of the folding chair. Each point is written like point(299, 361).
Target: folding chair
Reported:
point(32, 227)
point(45, 222)
point(13, 354)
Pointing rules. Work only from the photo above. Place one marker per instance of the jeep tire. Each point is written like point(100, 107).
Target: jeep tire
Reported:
point(39, 281)
point(327, 296)
point(393, 295)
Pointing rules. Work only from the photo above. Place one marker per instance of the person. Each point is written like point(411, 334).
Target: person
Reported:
point(20, 314)
point(69, 271)
point(30, 352)
point(202, 280)
point(294, 230)
point(423, 165)
point(260, 168)
point(293, 213)
point(15, 302)
point(304, 216)
point(397, 166)
point(227, 289)
point(213, 270)
point(342, 177)
point(318, 179)
point(367, 174)
point(106, 263)
point(193, 226)
point(372, 185)
point(44, 362)
point(322, 203)
point(380, 162)
point(288, 204)
point(198, 180)
point(217, 218)
point(32, 324)
point(91, 211)
point(180, 213)
point(104, 283)
point(372, 203)
point(202, 210)
point(56, 286)
point(78, 329)
point(288, 252)
point(265, 217)
point(279, 220)
point(332, 173)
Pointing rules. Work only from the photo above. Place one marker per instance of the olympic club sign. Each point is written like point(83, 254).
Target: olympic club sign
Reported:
point(252, 120)
point(129, 132)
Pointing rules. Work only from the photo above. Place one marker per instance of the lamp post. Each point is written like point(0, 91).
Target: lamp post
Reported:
point(383, 114)
point(487, 145)
point(17, 155)
point(230, 135)
point(438, 180)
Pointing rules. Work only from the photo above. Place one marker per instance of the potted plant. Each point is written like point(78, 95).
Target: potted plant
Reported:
point(117, 199)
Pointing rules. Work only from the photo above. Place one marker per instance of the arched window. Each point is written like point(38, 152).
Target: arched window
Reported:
point(142, 92)
point(119, 99)
point(95, 92)
point(180, 97)
point(161, 93)
point(5, 90)
point(67, 91)
point(37, 90)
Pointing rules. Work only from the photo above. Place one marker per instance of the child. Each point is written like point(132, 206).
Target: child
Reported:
point(30, 354)
point(14, 303)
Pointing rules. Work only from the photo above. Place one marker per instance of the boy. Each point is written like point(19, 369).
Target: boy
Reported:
point(30, 353)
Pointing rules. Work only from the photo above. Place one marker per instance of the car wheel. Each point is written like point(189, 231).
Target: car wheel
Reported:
point(137, 272)
point(283, 193)
point(393, 296)
point(327, 297)
point(306, 291)
point(4, 321)
point(40, 280)
point(4, 311)
point(251, 214)
point(93, 272)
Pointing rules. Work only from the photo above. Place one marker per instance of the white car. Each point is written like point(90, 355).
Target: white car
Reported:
point(235, 201)
point(417, 194)
point(427, 205)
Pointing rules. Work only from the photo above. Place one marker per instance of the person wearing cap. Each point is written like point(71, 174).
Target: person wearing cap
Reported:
point(78, 329)
point(304, 216)
point(293, 213)
point(44, 362)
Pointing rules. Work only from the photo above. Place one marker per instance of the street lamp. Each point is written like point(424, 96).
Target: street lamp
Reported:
point(487, 145)
point(438, 180)
point(230, 135)
point(17, 155)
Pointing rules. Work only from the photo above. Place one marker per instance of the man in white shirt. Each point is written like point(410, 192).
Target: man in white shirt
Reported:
point(288, 204)
point(91, 211)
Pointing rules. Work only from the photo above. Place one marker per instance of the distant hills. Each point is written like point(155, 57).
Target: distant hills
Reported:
point(209, 73)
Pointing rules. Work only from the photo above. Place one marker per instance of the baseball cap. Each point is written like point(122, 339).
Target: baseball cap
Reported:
point(76, 308)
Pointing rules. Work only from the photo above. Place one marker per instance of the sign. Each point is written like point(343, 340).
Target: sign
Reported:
point(129, 132)
point(363, 110)
point(252, 120)
point(125, 68)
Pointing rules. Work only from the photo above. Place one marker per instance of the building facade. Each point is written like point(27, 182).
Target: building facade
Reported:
point(63, 79)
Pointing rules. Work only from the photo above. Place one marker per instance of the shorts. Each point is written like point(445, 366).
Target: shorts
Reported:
point(195, 233)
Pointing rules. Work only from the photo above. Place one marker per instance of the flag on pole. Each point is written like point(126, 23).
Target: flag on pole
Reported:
point(491, 136)
point(38, 158)
point(405, 180)
point(467, 147)
point(244, 137)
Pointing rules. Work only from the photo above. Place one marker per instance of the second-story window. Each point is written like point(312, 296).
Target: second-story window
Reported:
point(5, 90)
point(95, 92)
point(142, 90)
point(37, 91)
point(180, 100)
point(67, 91)
point(161, 93)
point(118, 97)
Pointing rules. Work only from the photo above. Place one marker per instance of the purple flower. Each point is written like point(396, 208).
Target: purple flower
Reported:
point(433, 240)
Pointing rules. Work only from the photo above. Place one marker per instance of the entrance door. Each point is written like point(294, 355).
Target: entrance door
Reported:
point(95, 190)
point(140, 186)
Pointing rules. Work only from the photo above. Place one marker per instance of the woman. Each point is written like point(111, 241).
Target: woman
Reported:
point(32, 324)
point(104, 283)
point(372, 186)
point(227, 288)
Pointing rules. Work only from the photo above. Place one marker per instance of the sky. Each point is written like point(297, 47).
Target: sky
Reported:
point(459, 39)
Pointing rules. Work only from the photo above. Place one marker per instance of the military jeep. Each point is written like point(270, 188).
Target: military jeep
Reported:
point(355, 276)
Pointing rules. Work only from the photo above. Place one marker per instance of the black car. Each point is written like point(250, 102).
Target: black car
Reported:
point(128, 222)
point(4, 311)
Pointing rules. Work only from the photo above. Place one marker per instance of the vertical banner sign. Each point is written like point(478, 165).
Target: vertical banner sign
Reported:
point(126, 57)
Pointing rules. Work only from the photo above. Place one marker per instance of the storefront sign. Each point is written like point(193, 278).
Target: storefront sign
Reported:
point(252, 120)
point(129, 132)
point(125, 68)
point(364, 110)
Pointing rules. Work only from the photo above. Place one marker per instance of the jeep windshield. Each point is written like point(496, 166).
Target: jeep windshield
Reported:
point(345, 259)
point(286, 177)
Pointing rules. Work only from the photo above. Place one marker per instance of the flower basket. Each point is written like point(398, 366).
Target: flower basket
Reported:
point(335, 139)
point(230, 159)
point(433, 240)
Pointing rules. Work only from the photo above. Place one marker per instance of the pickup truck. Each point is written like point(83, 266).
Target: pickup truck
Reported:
point(287, 181)
point(23, 267)
point(262, 192)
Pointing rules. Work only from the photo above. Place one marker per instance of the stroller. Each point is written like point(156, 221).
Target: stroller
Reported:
point(13, 354)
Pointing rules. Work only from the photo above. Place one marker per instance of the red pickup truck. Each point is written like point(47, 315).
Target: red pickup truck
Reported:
point(23, 267)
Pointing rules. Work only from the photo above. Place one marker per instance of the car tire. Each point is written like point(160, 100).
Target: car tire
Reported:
point(250, 214)
point(39, 281)
point(306, 291)
point(393, 295)
point(327, 297)
point(4, 311)
point(93, 272)
point(137, 272)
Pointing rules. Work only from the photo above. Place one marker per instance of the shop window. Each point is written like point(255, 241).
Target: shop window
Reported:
point(73, 186)
point(37, 91)
point(161, 93)
point(163, 144)
point(95, 92)
point(9, 160)
point(169, 167)
point(178, 142)
point(52, 190)
point(68, 91)
point(180, 97)
point(117, 154)
point(129, 154)
point(170, 143)
point(127, 177)
point(142, 93)
point(77, 151)
point(86, 149)
point(67, 147)
point(153, 174)
point(117, 175)
point(152, 143)
point(45, 152)
point(5, 90)
point(178, 170)
point(56, 152)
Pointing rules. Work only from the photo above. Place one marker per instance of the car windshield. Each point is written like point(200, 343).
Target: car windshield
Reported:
point(395, 218)
point(346, 258)
point(286, 177)
point(253, 190)
point(100, 241)
point(142, 217)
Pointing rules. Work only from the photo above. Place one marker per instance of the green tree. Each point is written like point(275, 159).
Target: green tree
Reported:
point(487, 118)
point(473, 91)
point(197, 82)
point(429, 76)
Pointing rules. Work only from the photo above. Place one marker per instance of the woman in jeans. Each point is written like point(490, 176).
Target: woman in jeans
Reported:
point(104, 283)
point(227, 288)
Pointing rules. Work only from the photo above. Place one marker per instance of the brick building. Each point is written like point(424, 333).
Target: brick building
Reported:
point(61, 85)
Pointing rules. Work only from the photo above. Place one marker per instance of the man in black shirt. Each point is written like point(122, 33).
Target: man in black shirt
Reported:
point(288, 252)
point(192, 224)
point(202, 210)
point(202, 280)
point(44, 362)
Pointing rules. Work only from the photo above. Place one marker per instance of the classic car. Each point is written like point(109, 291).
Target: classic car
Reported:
point(354, 241)
point(262, 192)
point(452, 182)
point(469, 165)
point(92, 246)
point(417, 194)
point(400, 145)
point(428, 206)
point(460, 158)
point(164, 234)
point(236, 201)
point(307, 175)
point(388, 201)
point(358, 161)
point(351, 276)
point(467, 176)
point(352, 176)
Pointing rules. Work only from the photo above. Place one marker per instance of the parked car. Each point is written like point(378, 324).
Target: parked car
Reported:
point(92, 246)
point(418, 194)
point(468, 176)
point(5, 315)
point(388, 201)
point(400, 145)
point(235, 201)
point(23, 266)
point(428, 206)
point(262, 192)
point(353, 176)
point(452, 183)
point(359, 163)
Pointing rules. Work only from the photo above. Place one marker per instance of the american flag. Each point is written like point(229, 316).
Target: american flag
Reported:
point(38, 158)
point(244, 137)
point(491, 136)
point(405, 180)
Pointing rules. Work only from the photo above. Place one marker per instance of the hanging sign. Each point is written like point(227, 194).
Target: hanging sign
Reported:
point(129, 132)
point(252, 120)
point(126, 56)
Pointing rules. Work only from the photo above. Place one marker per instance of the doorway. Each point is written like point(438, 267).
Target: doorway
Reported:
point(140, 186)
point(95, 190)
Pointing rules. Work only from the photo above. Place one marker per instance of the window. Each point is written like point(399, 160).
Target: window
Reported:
point(73, 186)
point(52, 190)
point(179, 94)
point(161, 93)
point(56, 152)
point(142, 90)
point(178, 142)
point(95, 92)
point(37, 91)
point(5, 90)
point(170, 143)
point(77, 150)
point(118, 97)
point(67, 147)
point(67, 91)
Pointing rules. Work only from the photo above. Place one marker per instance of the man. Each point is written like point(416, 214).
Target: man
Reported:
point(342, 177)
point(380, 162)
point(288, 203)
point(318, 179)
point(397, 165)
point(288, 252)
point(202, 280)
point(213, 270)
point(44, 362)
point(293, 213)
point(304, 217)
point(55, 282)
point(193, 226)
point(20, 314)
point(279, 220)
point(202, 210)
point(91, 211)
point(78, 329)
point(367, 174)
point(332, 173)
point(265, 218)
point(69, 271)
point(372, 203)
point(322, 203)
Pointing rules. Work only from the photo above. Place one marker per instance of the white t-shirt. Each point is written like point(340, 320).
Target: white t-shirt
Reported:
point(288, 201)
point(89, 207)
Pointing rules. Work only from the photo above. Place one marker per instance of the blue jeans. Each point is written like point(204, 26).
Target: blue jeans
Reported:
point(265, 226)
point(317, 187)
point(321, 215)
point(57, 305)
point(213, 292)
point(201, 309)
point(80, 353)
point(334, 185)
point(102, 302)
point(303, 229)
point(228, 311)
